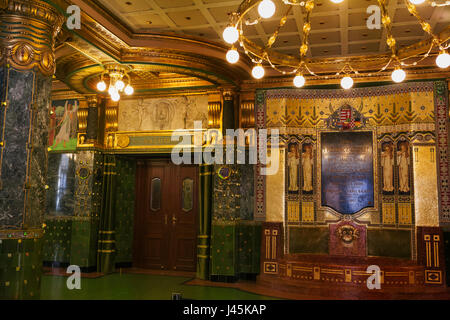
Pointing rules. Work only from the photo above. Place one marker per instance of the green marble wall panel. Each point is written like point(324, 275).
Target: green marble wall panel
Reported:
point(57, 240)
point(389, 243)
point(20, 268)
point(308, 240)
point(125, 198)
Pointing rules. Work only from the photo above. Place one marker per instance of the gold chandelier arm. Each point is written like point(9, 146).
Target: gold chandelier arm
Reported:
point(309, 6)
point(387, 23)
point(274, 36)
point(425, 25)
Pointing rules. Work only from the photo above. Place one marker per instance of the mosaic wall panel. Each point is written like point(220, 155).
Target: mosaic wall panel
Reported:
point(84, 242)
point(400, 116)
point(249, 244)
point(233, 196)
point(57, 240)
point(235, 248)
point(224, 249)
point(392, 105)
point(125, 198)
point(20, 268)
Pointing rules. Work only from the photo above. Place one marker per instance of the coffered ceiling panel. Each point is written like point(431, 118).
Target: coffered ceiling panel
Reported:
point(337, 29)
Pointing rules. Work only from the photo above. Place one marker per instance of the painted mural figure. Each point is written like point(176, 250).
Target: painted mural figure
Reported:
point(293, 162)
point(307, 165)
point(66, 124)
point(387, 163)
point(403, 167)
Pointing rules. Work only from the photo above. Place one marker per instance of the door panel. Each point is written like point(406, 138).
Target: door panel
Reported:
point(184, 233)
point(166, 216)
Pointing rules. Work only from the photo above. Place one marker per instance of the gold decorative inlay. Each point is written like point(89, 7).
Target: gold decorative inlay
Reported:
point(123, 141)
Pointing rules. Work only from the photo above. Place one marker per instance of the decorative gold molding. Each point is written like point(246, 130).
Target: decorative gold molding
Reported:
point(38, 25)
point(214, 114)
point(247, 117)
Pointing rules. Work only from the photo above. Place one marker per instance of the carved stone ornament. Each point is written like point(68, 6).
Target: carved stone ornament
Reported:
point(347, 233)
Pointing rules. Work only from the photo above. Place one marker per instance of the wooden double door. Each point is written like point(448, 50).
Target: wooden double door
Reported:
point(166, 216)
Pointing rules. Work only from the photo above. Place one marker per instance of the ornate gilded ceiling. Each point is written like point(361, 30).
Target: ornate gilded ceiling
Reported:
point(172, 45)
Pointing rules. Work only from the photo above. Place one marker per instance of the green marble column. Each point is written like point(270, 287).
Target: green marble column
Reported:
point(27, 64)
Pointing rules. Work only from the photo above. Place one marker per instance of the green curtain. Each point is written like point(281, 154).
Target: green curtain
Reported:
point(205, 208)
point(106, 237)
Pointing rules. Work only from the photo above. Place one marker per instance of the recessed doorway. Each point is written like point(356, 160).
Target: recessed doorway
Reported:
point(166, 216)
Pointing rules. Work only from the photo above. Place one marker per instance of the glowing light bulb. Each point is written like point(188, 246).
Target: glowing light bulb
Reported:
point(258, 72)
point(101, 86)
point(129, 90)
point(443, 60)
point(112, 90)
point(115, 97)
point(120, 85)
point(230, 35)
point(347, 82)
point(266, 9)
point(337, 1)
point(299, 81)
point(398, 75)
point(232, 56)
point(417, 1)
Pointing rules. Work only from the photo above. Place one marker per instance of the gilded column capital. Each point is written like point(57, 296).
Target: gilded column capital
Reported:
point(92, 101)
point(228, 95)
point(38, 24)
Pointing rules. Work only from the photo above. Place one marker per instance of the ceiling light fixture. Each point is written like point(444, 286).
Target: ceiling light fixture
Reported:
point(232, 55)
point(299, 80)
point(443, 60)
point(398, 75)
point(288, 64)
point(266, 9)
point(347, 82)
point(117, 74)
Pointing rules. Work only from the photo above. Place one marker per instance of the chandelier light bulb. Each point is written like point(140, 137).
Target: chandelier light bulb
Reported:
point(443, 60)
point(299, 81)
point(112, 90)
point(258, 72)
point(129, 90)
point(232, 56)
point(416, 2)
point(337, 1)
point(347, 82)
point(101, 86)
point(115, 97)
point(398, 75)
point(120, 85)
point(266, 9)
point(230, 35)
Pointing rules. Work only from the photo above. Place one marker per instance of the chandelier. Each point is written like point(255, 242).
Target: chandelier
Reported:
point(299, 66)
point(116, 74)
